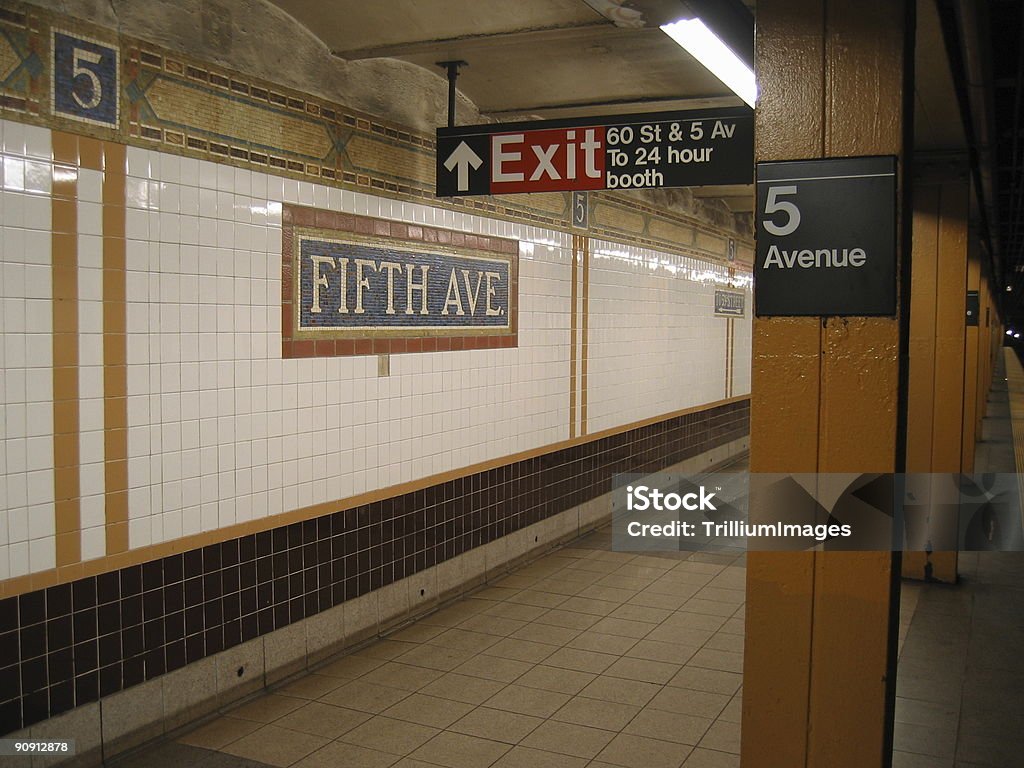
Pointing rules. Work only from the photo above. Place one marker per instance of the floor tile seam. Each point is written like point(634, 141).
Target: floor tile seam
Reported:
point(222, 713)
point(966, 667)
point(213, 718)
point(560, 594)
point(538, 749)
point(700, 648)
point(406, 691)
point(369, 716)
point(712, 749)
point(223, 749)
point(511, 744)
point(481, 738)
point(654, 708)
point(580, 632)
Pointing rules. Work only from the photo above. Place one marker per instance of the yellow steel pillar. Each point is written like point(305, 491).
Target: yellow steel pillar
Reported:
point(817, 683)
point(989, 340)
point(938, 338)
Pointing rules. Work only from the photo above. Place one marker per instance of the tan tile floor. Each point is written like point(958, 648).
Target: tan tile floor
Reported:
point(588, 657)
point(959, 701)
point(585, 657)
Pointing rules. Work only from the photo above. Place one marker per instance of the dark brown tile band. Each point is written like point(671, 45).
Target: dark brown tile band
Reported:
point(73, 643)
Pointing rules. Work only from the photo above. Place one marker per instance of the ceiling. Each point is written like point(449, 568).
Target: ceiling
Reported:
point(1006, 24)
point(540, 59)
point(534, 59)
point(537, 58)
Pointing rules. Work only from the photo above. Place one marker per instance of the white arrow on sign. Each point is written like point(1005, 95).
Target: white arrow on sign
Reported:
point(463, 157)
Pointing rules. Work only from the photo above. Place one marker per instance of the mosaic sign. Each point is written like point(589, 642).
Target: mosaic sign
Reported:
point(370, 286)
point(375, 285)
point(84, 83)
point(730, 304)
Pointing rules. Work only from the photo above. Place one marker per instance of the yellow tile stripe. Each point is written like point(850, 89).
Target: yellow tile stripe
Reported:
point(584, 352)
point(728, 356)
point(64, 270)
point(730, 347)
point(115, 349)
point(573, 330)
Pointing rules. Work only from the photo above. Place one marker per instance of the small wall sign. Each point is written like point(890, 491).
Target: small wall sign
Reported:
point(580, 210)
point(730, 303)
point(973, 308)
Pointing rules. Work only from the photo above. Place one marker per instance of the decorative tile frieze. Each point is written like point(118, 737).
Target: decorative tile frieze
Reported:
point(182, 105)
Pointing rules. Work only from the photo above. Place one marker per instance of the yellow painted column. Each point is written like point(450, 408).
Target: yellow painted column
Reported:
point(988, 329)
point(938, 338)
point(825, 398)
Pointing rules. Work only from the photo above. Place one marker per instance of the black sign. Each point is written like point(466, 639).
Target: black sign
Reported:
point(973, 308)
point(580, 210)
point(826, 237)
point(730, 304)
point(648, 151)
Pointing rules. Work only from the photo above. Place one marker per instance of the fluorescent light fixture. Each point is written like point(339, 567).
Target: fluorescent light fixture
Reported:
point(1016, 335)
point(1009, 333)
point(705, 46)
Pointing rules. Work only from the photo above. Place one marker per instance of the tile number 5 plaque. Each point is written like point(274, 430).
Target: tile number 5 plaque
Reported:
point(84, 80)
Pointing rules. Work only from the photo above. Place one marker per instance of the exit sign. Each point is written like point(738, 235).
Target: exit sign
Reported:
point(649, 151)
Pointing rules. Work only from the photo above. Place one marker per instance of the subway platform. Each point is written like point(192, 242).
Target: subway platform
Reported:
point(960, 672)
point(582, 657)
point(590, 657)
point(327, 328)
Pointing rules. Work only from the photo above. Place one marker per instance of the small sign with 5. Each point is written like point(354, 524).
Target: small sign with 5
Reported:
point(84, 82)
point(826, 237)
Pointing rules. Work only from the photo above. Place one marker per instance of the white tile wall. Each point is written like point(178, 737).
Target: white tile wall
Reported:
point(26, 380)
point(222, 430)
point(90, 361)
point(655, 345)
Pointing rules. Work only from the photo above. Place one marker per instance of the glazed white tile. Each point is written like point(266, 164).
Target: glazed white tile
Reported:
point(26, 387)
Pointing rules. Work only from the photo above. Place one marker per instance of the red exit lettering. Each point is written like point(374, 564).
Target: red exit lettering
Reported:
point(546, 161)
